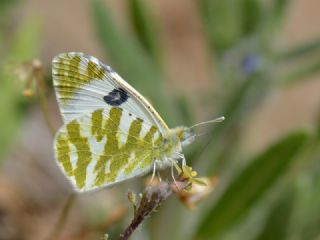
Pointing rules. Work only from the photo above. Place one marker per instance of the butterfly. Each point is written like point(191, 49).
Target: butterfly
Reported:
point(111, 133)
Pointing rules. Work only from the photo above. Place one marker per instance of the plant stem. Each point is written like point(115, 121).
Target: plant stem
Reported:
point(39, 77)
point(54, 234)
point(152, 198)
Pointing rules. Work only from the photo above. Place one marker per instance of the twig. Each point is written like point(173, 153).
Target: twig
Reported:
point(29, 72)
point(54, 234)
point(152, 198)
point(39, 77)
point(37, 72)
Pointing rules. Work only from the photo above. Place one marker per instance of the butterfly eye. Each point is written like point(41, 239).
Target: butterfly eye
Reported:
point(116, 97)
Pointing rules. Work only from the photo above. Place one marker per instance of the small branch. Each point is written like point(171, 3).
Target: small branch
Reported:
point(152, 198)
point(38, 74)
point(54, 234)
point(39, 77)
point(31, 72)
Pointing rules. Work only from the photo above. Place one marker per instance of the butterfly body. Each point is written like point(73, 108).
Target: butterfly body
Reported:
point(111, 133)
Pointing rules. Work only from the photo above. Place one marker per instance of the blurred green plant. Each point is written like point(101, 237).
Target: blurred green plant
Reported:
point(17, 47)
point(243, 39)
point(280, 185)
point(251, 183)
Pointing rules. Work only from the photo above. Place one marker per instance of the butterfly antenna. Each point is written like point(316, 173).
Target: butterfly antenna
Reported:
point(199, 135)
point(220, 119)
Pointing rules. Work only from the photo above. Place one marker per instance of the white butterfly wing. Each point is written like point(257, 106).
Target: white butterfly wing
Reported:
point(83, 84)
point(104, 147)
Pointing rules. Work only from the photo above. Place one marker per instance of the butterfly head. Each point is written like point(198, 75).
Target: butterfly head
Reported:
point(183, 135)
point(186, 136)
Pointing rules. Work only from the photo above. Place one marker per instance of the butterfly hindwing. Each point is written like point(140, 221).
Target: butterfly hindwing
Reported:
point(106, 146)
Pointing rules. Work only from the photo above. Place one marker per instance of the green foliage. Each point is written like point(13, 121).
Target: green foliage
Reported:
point(133, 62)
point(23, 47)
point(251, 184)
point(242, 37)
point(222, 36)
point(298, 52)
point(146, 28)
point(299, 56)
point(306, 213)
point(277, 224)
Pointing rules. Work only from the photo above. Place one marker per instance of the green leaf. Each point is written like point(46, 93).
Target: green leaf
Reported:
point(5, 6)
point(235, 109)
point(317, 122)
point(146, 28)
point(250, 185)
point(277, 224)
point(133, 63)
point(24, 47)
point(300, 51)
point(251, 15)
point(185, 110)
point(279, 9)
point(223, 22)
point(305, 220)
point(300, 74)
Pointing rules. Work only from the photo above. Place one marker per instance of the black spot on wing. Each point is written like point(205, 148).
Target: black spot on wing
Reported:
point(116, 97)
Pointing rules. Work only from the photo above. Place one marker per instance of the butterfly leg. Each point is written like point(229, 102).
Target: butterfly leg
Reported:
point(172, 172)
point(154, 171)
point(157, 162)
point(184, 163)
point(174, 164)
point(159, 176)
point(172, 175)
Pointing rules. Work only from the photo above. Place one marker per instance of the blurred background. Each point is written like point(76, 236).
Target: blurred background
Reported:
point(256, 62)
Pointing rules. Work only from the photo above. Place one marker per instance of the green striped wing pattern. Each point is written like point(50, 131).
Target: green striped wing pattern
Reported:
point(106, 146)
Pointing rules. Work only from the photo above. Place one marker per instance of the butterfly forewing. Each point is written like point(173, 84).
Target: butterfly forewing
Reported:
point(106, 146)
point(83, 84)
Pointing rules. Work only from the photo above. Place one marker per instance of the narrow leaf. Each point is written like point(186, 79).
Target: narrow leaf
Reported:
point(301, 74)
point(251, 15)
point(300, 51)
point(250, 184)
point(277, 224)
point(23, 47)
point(146, 28)
point(223, 22)
point(132, 62)
point(279, 9)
